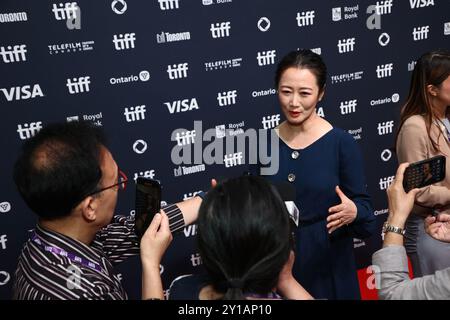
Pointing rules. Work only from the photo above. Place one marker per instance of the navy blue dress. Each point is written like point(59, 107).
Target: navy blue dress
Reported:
point(325, 264)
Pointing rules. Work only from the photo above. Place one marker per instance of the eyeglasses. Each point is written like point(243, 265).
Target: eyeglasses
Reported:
point(121, 183)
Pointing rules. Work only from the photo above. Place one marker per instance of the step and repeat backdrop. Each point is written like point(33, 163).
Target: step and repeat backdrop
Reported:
point(163, 77)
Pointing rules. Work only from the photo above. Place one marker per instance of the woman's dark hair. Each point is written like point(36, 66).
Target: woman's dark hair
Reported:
point(431, 68)
point(303, 59)
point(59, 167)
point(243, 236)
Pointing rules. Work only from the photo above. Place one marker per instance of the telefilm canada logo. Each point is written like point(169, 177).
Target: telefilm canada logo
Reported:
point(70, 47)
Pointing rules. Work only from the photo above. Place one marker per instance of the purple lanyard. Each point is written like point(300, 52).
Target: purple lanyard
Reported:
point(270, 295)
point(69, 255)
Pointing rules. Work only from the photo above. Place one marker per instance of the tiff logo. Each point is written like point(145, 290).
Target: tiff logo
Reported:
point(227, 98)
point(270, 122)
point(232, 159)
point(346, 45)
point(384, 70)
point(196, 259)
point(420, 33)
point(124, 41)
point(383, 7)
point(385, 127)
point(65, 11)
point(135, 113)
point(415, 4)
point(150, 174)
point(28, 130)
point(220, 29)
point(386, 182)
point(305, 18)
point(168, 4)
point(266, 57)
point(185, 138)
point(13, 53)
point(348, 106)
point(3, 241)
point(177, 71)
point(78, 85)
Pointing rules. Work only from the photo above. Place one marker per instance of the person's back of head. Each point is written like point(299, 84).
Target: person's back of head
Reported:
point(59, 167)
point(430, 71)
point(243, 236)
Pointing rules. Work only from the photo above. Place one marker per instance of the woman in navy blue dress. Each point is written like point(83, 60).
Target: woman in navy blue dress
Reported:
point(326, 167)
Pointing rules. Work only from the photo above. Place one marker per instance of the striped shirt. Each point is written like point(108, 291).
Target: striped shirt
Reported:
point(47, 269)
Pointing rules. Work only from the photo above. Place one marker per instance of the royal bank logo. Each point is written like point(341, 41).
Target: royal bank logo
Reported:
point(143, 76)
point(28, 130)
point(345, 77)
point(13, 17)
point(15, 53)
point(412, 65)
point(210, 2)
point(233, 129)
point(119, 6)
point(356, 133)
point(263, 24)
point(22, 92)
point(447, 28)
point(95, 118)
point(165, 37)
point(223, 64)
point(344, 13)
point(71, 47)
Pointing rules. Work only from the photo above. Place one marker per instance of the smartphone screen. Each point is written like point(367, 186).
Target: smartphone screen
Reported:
point(148, 203)
point(423, 173)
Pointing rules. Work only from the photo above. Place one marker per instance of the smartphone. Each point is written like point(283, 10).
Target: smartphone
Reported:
point(423, 173)
point(148, 203)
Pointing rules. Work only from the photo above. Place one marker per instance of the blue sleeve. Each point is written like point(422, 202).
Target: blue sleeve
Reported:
point(353, 184)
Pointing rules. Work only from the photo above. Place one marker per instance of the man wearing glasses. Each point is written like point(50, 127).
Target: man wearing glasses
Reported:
point(68, 177)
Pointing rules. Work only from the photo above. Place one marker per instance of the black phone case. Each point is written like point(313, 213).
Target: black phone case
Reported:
point(148, 203)
point(415, 176)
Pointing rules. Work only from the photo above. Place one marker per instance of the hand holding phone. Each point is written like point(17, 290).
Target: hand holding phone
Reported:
point(423, 173)
point(148, 203)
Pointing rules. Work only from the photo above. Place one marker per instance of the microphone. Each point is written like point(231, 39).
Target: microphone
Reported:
point(287, 193)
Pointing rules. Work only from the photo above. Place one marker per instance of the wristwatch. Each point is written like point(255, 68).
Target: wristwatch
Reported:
point(390, 228)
